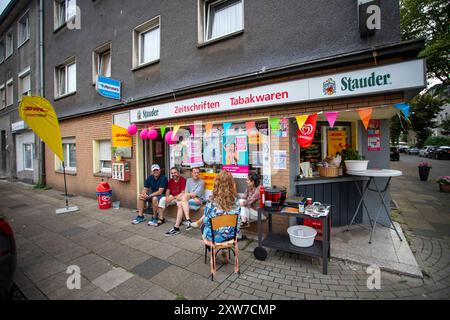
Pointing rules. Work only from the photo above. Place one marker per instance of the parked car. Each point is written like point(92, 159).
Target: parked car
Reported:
point(403, 149)
point(413, 150)
point(424, 152)
point(394, 154)
point(8, 259)
point(440, 153)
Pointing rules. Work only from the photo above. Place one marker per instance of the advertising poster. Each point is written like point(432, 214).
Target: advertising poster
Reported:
point(196, 157)
point(235, 155)
point(336, 142)
point(374, 135)
point(282, 131)
point(212, 148)
point(279, 159)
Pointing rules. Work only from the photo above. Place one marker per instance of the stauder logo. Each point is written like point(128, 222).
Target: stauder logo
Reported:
point(329, 87)
point(352, 84)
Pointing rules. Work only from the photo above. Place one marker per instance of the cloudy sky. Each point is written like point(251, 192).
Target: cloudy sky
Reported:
point(3, 4)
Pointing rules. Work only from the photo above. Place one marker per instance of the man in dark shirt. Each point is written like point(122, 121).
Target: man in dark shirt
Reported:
point(154, 187)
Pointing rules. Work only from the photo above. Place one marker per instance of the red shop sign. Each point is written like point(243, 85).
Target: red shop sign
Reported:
point(305, 135)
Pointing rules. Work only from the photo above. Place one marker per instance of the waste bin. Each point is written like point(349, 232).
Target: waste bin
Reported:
point(104, 194)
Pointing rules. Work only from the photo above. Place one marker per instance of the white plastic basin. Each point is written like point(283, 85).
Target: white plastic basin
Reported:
point(302, 236)
point(356, 165)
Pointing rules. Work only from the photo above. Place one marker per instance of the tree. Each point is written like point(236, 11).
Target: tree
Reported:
point(429, 19)
point(398, 126)
point(424, 109)
point(445, 126)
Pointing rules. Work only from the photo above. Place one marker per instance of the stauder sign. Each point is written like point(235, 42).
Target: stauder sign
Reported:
point(380, 79)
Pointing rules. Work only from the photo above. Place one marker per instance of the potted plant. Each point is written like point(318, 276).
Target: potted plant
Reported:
point(424, 170)
point(117, 153)
point(353, 160)
point(444, 184)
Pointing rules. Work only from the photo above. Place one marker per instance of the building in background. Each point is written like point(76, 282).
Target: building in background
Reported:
point(20, 74)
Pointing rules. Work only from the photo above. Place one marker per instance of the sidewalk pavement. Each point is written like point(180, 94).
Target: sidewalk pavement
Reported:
point(118, 260)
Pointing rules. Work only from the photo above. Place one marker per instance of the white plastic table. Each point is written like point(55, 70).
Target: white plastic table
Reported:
point(372, 174)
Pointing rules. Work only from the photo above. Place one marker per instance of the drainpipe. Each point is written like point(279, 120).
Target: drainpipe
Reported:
point(41, 88)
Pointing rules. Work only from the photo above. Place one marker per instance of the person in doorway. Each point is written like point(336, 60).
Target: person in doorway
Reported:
point(153, 190)
point(174, 193)
point(250, 201)
point(192, 199)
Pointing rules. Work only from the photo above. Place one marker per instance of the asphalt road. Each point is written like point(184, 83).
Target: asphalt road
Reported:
point(408, 164)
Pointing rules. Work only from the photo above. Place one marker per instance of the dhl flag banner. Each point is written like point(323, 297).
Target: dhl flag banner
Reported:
point(120, 137)
point(39, 115)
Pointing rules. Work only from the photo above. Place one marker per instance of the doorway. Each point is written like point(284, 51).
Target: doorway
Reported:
point(155, 153)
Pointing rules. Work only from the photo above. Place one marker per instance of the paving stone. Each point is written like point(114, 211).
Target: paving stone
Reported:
point(73, 231)
point(112, 279)
point(97, 294)
point(150, 267)
point(43, 269)
point(245, 289)
point(64, 293)
point(183, 258)
point(131, 289)
point(157, 293)
point(125, 257)
point(171, 277)
point(196, 287)
point(263, 294)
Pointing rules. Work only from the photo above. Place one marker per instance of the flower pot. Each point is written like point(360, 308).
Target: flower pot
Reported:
point(356, 165)
point(444, 188)
point(423, 173)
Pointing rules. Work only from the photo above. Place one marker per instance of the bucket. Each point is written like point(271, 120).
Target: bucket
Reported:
point(302, 236)
point(116, 204)
point(356, 165)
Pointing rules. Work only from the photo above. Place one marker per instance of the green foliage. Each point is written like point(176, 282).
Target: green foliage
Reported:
point(438, 141)
point(350, 154)
point(398, 129)
point(424, 109)
point(445, 126)
point(429, 19)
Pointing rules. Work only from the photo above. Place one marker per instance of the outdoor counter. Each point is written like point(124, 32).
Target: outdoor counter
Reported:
point(341, 192)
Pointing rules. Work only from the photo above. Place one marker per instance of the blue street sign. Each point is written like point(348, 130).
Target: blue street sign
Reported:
point(109, 88)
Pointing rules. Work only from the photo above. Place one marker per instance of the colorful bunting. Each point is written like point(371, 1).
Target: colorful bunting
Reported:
point(301, 120)
point(175, 130)
point(404, 108)
point(249, 125)
point(163, 130)
point(305, 135)
point(274, 123)
point(226, 126)
point(365, 115)
point(331, 117)
point(208, 128)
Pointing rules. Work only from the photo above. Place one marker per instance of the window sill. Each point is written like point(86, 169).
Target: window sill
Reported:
point(146, 65)
point(219, 39)
point(65, 95)
point(68, 172)
point(102, 175)
point(60, 27)
point(20, 45)
point(7, 57)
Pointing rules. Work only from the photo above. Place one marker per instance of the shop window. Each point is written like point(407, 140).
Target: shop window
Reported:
point(221, 18)
point(70, 156)
point(28, 156)
point(122, 119)
point(64, 10)
point(102, 62)
point(2, 97)
point(23, 30)
point(146, 43)
point(102, 156)
point(9, 44)
point(66, 78)
point(236, 150)
point(24, 83)
point(9, 92)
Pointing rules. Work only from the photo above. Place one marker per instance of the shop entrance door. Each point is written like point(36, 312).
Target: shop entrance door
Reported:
point(156, 154)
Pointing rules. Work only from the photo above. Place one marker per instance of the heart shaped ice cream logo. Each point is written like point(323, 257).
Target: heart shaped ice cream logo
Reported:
point(307, 129)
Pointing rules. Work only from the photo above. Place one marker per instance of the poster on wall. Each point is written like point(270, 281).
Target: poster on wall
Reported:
point(235, 155)
point(279, 159)
point(196, 156)
point(374, 135)
point(336, 142)
point(282, 131)
point(212, 148)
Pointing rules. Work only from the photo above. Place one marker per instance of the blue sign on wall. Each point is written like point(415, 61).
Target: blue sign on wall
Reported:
point(109, 88)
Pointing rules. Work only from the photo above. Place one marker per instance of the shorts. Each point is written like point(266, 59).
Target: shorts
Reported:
point(157, 197)
point(163, 204)
point(193, 205)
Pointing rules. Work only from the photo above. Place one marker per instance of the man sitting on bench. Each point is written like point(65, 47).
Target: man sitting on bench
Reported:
point(154, 187)
point(174, 194)
point(192, 199)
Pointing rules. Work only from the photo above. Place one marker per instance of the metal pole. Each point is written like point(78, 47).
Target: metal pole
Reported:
point(65, 185)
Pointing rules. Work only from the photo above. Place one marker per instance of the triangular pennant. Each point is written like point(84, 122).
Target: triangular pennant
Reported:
point(163, 130)
point(274, 124)
point(226, 126)
point(365, 115)
point(331, 117)
point(175, 130)
point(305, 135)
point(249, 125)
point(404, 107)
point(192, 129)
point(208, 128)
point(301, 120)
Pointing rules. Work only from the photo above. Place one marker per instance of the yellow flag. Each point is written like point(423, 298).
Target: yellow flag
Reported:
point(120, 137)
point(40, 116)
point(301, 120)
point(175, 130)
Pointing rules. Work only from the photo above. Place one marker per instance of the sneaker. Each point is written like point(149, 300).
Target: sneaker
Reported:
point(195, 225)
point(172, 232)
point(153, 222)
point(138, 220)
point(187, 222)
point(188, 225)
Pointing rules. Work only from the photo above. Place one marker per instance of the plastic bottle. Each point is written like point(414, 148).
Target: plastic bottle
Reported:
point(262, 196)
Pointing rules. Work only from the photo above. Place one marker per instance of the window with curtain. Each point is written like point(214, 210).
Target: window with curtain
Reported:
point(2, 51)
point(23, 29)
point(28, 156)
point(24, 85)
point(60, 13)
point(70, 156)
point(104, 155)
point(149, 43)
point(71, 9)
point(2, 97)
point(9, 92)
point(223, 17)
point(9, 44)
point(66, 78)
point(105, 64)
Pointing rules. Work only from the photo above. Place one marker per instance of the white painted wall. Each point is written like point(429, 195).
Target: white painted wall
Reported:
point(26, 137)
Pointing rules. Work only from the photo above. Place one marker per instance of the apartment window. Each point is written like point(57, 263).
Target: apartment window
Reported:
point(66, 78)
point(24, 83)
point(105, 156)
point(28, 156)
point(2, 97)
point(102, 62)
point(70, 154)
point(146, 43)
point(9, 44)
point(64, 10)
point(23, 30)
point(2, 51)
point(222, 18)
point(9, 92)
